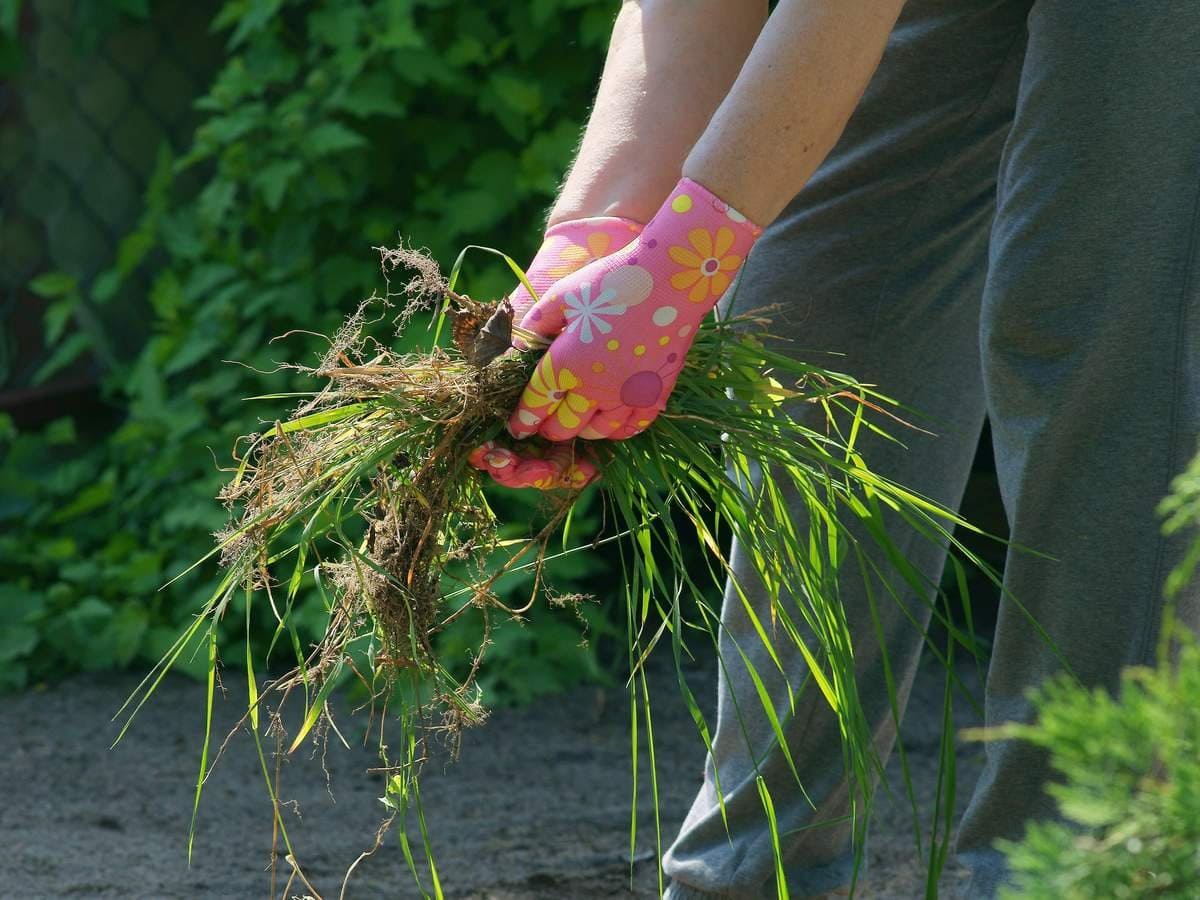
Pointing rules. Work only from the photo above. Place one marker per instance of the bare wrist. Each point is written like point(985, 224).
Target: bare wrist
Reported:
point(636, 196)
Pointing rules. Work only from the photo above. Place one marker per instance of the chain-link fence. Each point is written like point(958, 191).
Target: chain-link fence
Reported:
point(81, 123)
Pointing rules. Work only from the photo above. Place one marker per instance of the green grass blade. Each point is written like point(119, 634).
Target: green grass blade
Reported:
point(208, 714)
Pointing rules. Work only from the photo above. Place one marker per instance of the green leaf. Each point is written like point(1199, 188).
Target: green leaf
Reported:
point(181, 235)
point(316, 707)
point(399, 32)
point(273, 179)
point(81, 630)
point(467, 50)
point(19, 606)
point(216, 200)
point(126, 631)
point(17, 641)
point(371, 94)
point(54, 284)
point(88, 500)
point(206, 278)
point(332, 137)
point(166, 295)
point(106, 285)
point(199, 345)
point(132, 250)
point(73, 347)
point(208, 716)
point(254, 17)
point(10, 15)
point(61, 432)
point(57, 315)
point(339, 26)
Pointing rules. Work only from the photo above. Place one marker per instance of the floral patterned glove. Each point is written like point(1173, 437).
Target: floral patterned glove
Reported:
point(557, 466)
point(568, 247)
point(622, 325)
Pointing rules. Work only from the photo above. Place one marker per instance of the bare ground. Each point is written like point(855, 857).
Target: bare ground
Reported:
point(538, 806)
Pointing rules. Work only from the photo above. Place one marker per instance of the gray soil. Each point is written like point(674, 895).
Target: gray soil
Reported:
point(538, 805)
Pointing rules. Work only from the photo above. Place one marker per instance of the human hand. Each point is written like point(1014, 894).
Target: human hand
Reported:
point(622, 325)
point(567, 248)
point(556, 466)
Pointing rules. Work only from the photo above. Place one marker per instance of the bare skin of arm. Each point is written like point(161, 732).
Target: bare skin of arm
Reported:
point(665, 108)
point(670, 64)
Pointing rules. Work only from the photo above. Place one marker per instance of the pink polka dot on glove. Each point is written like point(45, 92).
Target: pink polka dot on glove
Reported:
point(622, 325)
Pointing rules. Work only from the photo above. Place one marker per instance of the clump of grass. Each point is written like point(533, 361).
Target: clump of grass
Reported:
point(365, 496)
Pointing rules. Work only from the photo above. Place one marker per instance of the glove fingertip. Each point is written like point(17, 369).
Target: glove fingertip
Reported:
point(519, 430)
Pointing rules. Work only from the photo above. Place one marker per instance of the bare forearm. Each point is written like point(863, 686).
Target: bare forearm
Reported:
point(791, 101)
point(670, 63)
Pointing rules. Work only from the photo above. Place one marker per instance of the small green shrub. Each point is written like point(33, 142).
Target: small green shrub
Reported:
point(1130, 798)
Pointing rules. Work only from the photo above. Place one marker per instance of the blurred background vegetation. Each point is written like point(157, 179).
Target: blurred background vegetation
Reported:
point(184, 181)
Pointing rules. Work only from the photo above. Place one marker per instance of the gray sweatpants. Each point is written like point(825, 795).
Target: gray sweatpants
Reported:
point(1009, 228)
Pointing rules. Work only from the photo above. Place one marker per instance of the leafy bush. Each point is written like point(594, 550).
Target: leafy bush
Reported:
point(1132, 792)
point(329, 129)
point(1131, 767)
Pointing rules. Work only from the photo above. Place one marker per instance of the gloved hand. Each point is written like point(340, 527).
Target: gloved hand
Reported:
point(556, 467)
point(622, 325)
point(568, 247)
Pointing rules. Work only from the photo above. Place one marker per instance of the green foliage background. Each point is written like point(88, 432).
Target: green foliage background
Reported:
point(330, 128)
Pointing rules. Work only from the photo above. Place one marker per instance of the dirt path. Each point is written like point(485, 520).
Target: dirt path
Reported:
point(537, 807)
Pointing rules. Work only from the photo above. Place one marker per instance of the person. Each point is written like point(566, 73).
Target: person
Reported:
point(992, 208)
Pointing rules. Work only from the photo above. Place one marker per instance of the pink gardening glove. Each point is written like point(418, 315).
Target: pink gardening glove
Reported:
point(556, 467)
point(622, 325)
point(568, 247)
